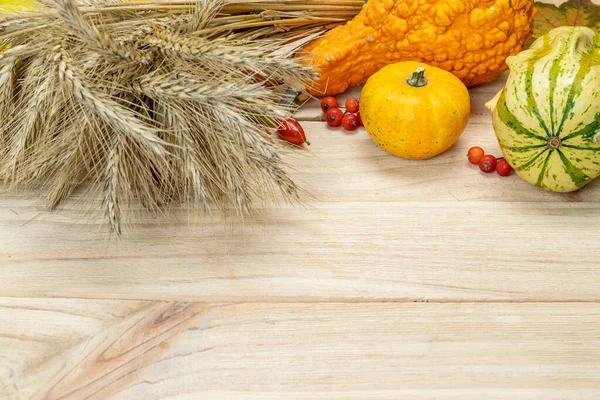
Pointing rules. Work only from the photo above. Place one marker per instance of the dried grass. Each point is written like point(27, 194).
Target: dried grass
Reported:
point(158, 103)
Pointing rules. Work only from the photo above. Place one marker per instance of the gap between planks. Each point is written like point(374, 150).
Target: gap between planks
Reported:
point(257, 300)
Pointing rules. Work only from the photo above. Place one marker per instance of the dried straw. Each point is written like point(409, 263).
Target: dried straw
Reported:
point(157, 103)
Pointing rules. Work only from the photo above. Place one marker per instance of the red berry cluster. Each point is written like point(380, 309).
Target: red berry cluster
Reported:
point(488, 163)
point(350, 120)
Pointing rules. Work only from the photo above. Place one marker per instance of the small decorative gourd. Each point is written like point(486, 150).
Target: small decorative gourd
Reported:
point(547, 116)
point(470, 39)
point(414, 110)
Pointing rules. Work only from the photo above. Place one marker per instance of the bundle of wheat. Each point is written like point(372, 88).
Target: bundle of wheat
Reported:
point(156, 103)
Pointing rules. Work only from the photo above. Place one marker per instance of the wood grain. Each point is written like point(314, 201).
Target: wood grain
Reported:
point(377, 228)
point(40, 339)
point(304, 351)
point(383, 351)
point(81, 349)
point(352, 251)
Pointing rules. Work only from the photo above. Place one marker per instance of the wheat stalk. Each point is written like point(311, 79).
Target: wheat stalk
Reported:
point(113, 183)
point(114, 114)
point(7, 86)
point(204, 14)
point(70, 166)
point(95, 37)
point(25, 132)
point(155, 103)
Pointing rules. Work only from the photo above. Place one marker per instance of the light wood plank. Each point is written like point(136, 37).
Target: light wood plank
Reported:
point(353, 251)
point(41, 339)
point(377, 227)
point(80, 348)
point(381, 351)
point(122, 350)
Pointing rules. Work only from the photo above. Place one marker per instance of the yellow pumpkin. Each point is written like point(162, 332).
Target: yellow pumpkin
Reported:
point(414, 110)
point(16, 5)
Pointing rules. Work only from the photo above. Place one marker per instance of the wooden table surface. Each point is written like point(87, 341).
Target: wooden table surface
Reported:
point(399, 280)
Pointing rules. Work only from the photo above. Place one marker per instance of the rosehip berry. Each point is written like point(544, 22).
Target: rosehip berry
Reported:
point(334, 117)
point(350, 122)
point(328, 103)
point(503, 168)
point(475, 154)
point(290, 130)
point(352, 105)
point(487, 163)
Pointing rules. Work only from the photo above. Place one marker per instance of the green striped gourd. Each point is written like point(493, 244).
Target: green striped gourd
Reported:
point(547, 116)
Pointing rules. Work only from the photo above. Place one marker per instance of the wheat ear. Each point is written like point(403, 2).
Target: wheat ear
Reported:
point(70, 168)
point(98, 39)
point(261, 153)
point(168, 85)
point(195, 172)
point(8, 78)
point(120, 118)
point(198, 49)
point(204, 13)
point(23, 132)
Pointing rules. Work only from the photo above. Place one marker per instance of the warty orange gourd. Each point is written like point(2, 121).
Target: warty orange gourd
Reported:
point(470, 38)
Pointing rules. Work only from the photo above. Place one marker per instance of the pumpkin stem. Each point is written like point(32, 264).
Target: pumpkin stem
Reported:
point(418, 78)
point(554, 143)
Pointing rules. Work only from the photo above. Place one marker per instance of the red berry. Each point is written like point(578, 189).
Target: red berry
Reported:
point(352, 105)
point(475, 154)
point(487, 163)
point(328, 103)
point(291, 131)
point(360, 123)
point(350, 122)
point(334, 117)
point(503, 168)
